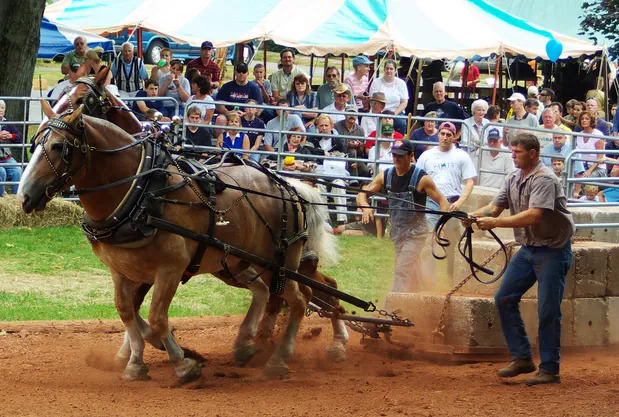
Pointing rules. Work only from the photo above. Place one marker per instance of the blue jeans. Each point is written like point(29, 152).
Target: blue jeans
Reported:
point(9, 174)
point(547, 266)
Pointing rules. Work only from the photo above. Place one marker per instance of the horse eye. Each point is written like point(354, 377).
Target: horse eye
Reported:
point(56, 147)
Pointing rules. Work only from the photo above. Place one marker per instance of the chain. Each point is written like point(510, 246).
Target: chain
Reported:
point(395, 317)
point(441, 322)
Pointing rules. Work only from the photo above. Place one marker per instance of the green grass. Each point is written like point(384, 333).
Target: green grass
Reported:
point(52, 274)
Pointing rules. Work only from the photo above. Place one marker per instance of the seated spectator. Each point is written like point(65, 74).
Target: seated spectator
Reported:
point(594, 166)
point(343, 96)
point(325, 95)
point(559, 147)
point(613, 111)
point(205, 65)
point(330, 142)
point(191, 73)
point(558, 166)
point(358, 80)
point(94, 63)
point(395, 91)
point(302, 97)
point(602, 125)
point(8, 135)
point(151, 90)
point(611, 194)
point(500, 163)
point(267, 92)
point(201, 89)
point(385, 120)
point(220, 120)
point(252, 122)
point(239, 91)
point(382, 155)
point(66, 85)
point(591, 193)
point(234, 139)
point(612, 145)
point(176, 86)
point(129, 72)
point(470, 137)
point(377, 105)
point(163, 66)
point(350, 127)
point(76, 56)
point(281, 81)
point(548, 123)
point(598, 95)
point(494, 116)
point(568, 120)
point(271, 140)
point(197, 135)
point(559, 120)
point(427, 133)
point(294, 144)
point(577, 110)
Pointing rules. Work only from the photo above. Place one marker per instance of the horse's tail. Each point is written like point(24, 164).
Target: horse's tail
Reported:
point(319, 241)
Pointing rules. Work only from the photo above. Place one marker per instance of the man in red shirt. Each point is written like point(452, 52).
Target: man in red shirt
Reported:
point(473, 77)
point(205, 65)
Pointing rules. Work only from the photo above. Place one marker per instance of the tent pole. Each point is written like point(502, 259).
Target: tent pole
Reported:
point(496, 75)
point(264, 56)
point(465, 81)
point(342, 72)
point(417, 86)
point(605, 63)
point(324, 71)
point(311, 74)
point(139, 41)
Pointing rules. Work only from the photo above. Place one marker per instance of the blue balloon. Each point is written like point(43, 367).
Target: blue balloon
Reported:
point(554, 49)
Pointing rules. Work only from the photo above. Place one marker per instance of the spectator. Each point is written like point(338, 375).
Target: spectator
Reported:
point(500, 163)
point(427, 133)
point(234, 139)
point(76, 56)
point(591, 193)
point(598, 95)
point(569, 118)
point(613, 111)
point(377, 105)
point(559, 147)
point(201, 88)
point(548, 120)
point(519, 117)
point(546, 97)
point(384, 120)
point(471, 134)
point(444, 108)
point(611, 194)
point(271, 140)
point(326, 92)
point(382, 154)
point(263, 84)
point(191, 73)
point(577, 110)
point(249, 120)
point(294, 144)
point(281, 82)
point(238, 90)
point(358, 80)
point(532, 106)
point(93, 61)
point(473, 77)
point(343, 96)
point(595, 166)
point(220, 120)
point(330, 142)
point(205, 65)
point(129, 72)
point(66, 85)
point(558, 166)
point(431, 74)
point(494, 116)
point(592, 106)
point(558, 108)
point(151, 90)
point(355, 148)
point(197, 135)
point(8, 134)
point(395, 91)
point(612, 145)
point(302, 97)
point(449, 167)
point(176, 86)
point(163, 66)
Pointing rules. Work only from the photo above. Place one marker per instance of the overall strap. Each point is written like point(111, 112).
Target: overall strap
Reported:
point(388, 176)
point(414, 178)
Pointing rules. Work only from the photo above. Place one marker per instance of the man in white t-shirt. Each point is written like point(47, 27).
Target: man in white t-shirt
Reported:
point(500, 163)
point(449, 168)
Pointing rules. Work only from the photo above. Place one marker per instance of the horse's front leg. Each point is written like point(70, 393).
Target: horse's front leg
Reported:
point(166, 283)
point(135, 368)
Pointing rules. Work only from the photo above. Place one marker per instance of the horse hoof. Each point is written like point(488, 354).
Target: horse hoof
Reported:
point(277, 371)
point(136, 372)
point(244, 353)
point(189, 370)
point(336, 352)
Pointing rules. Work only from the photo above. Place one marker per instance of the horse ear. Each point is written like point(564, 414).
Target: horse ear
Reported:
point(75, 116)
point(101, 76)
point(83, 70)
point(47, 109)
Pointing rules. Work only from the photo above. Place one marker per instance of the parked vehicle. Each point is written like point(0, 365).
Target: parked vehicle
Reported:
point(152, 44)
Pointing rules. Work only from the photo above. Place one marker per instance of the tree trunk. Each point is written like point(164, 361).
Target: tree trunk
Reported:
point(20, 28)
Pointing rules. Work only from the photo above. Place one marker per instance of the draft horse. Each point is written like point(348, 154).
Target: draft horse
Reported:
point(93, 154)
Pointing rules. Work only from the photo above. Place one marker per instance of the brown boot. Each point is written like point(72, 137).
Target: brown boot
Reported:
point(543, 378)
point(517, 367)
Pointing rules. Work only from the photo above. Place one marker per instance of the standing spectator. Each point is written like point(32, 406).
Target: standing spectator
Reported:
point(592, 106)
point(163, 66)
point(281, 82)
point(271, 140)
point(519, 117)
point(201, 88)
point(559, 147)
point(449, 167)
point(205, 65)
point(473, 77)
point(427, 133)
point(129, 72)
point(532, 106)
point(500, 163)
point(234, 139)
point(176, 86)
point(471, 135)
point(302, 97)
point(8, 134)
point(355, 149)
point(252, 122)
point(93, 61)
point(377, 105)
point(443, 107)
point(326, 92)
point(76, 56)
point(343, 96)
point(197, 135)
point(543, 226)
point(395, 91)
point(238, 90)
point(431, 74)
point(358, 80)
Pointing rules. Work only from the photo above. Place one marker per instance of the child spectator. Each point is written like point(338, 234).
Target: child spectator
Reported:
point(234, 139)
point(591, 193)
point(557, 166)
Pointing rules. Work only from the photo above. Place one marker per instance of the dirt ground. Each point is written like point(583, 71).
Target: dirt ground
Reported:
point(64, 369)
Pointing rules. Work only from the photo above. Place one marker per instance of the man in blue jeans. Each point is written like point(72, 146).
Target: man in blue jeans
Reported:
point(543, 226)
point(9, 170)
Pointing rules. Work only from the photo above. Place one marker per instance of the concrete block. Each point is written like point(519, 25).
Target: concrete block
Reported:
point(612, 271)
point(606, 215)
point(612, 320)
point(583, 215)
point(590, 321)
point(590, 262)
point(567, 322)
point(528, 311)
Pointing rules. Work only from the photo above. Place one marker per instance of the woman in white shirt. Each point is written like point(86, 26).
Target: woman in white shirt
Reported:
point(395, 92)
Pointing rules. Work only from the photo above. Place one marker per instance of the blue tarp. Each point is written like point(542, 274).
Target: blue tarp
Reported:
point(57, 39)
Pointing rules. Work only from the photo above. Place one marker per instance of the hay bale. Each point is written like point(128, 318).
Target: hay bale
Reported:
point(57, 213)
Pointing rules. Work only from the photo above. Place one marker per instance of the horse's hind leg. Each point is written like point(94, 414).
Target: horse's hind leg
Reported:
point(135, 368)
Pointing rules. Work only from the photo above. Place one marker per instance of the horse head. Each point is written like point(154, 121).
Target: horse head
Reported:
point(60, 150)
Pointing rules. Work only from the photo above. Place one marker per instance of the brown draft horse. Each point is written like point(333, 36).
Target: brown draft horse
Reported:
point(162, 259)
point(102, 104)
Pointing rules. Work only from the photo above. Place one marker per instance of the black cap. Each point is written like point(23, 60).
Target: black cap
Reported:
point(75, 66)
point(206, 45)
point(402, 148)
point(241, 67)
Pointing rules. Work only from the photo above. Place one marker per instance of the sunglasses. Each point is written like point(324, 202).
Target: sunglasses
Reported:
point(331, 75)
point(341, 94)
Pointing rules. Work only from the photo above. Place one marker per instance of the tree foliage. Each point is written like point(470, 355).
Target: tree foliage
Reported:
point(601, 17)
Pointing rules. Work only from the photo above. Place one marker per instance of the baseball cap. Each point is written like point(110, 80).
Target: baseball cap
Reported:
point(241, 67)
point(516, 96)
point(493, 133)
point(361, 60)
point(379, 96)
point(351, 107)
point(74, 66)
point(343, 88)
point(402, 148)
point(532, 91)
point(449, 126)
point(386, 129)
point(206, 45)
